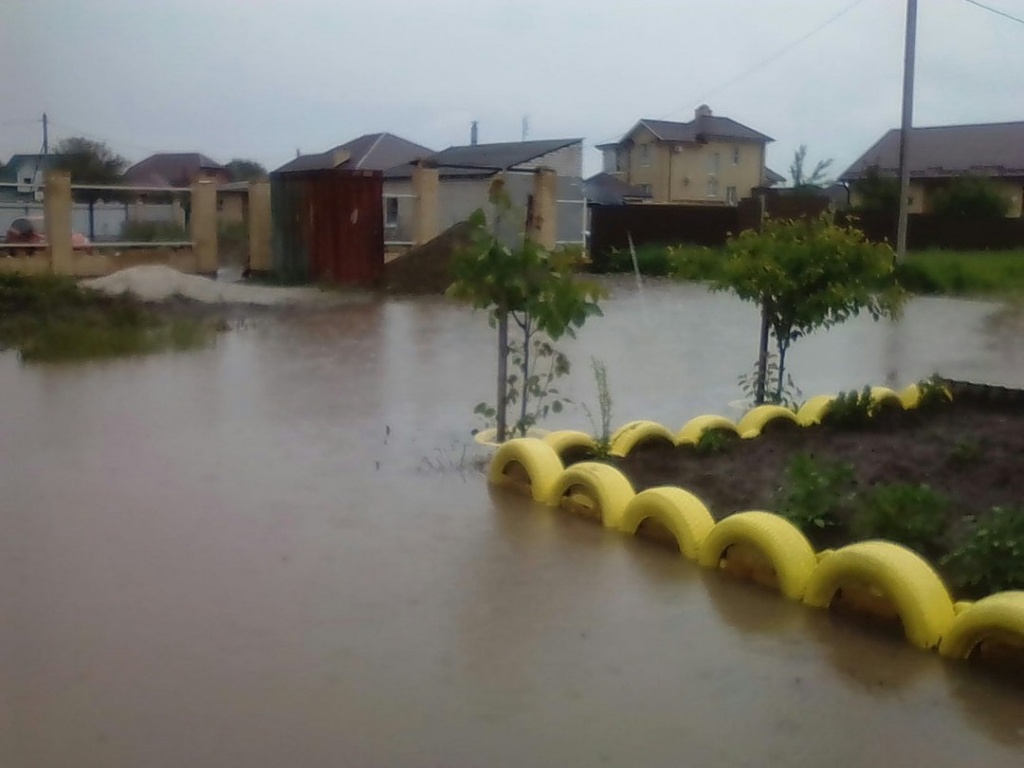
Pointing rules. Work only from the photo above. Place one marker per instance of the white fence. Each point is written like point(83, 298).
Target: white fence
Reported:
point(107, 218)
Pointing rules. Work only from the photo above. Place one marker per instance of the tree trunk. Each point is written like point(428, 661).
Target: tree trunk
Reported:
point(500, 406)
point(762, 355)
point(524, 372)
point(783, 349)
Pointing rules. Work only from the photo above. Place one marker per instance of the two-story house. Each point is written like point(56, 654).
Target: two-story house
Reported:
point(709, 160)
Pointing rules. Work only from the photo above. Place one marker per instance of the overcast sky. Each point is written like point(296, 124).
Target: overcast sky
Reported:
point(261, 78)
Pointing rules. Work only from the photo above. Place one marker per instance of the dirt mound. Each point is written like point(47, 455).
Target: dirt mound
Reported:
point(426, 268)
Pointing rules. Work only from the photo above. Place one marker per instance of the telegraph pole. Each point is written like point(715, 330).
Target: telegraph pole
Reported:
point(46, 135)
point(908, 114)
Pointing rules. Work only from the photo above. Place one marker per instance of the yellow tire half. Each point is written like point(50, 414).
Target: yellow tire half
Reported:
point(756, 419)
point(814, 410)
point(538, 459)
point(679, 511)
point(896, 573)
point(778, 540)
point(604, 485)
point(629, 436)
point(568, 441)
point(996, 617)
point(692, 430)
point(881, 396)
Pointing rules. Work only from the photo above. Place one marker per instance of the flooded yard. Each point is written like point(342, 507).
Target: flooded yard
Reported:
point(276, 552)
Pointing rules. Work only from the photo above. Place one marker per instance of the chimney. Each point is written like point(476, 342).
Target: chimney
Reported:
point(473, 133)
point(702, 111)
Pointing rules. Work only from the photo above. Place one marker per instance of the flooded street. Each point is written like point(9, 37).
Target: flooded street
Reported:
point(275, 553)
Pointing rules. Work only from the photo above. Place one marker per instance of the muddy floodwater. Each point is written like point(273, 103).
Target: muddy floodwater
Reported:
point(275, 552)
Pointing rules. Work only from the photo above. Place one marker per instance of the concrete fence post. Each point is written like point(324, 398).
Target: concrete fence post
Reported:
point(259, 226)
point(426, 185)
point(57, 219)
point(204, 226)
point(545, 208)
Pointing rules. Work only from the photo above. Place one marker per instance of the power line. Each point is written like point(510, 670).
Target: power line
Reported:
point(763, 62)
point(996, 11)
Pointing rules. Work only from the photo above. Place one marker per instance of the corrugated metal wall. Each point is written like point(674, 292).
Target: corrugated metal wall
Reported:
point(328, 225)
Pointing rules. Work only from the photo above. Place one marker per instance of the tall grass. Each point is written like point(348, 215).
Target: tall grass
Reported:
point(684, 262)
point(964, 273)
point(50, 318)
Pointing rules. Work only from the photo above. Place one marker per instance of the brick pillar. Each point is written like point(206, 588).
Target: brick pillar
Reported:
point(545, 208)
point(259, 226)
point(57, 217)
point(426, 185)
point(204, 226)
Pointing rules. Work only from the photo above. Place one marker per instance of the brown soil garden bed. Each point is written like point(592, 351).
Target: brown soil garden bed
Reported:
point(930, 479)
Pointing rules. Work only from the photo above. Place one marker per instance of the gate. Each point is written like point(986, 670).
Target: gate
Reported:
point(328, 225)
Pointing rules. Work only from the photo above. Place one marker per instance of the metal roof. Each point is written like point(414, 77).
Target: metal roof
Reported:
point(985, 149)
point(372, 152)
point(482, 160)
point(170, 169)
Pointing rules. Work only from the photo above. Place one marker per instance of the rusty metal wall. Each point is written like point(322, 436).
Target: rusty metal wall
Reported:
point(328, 225)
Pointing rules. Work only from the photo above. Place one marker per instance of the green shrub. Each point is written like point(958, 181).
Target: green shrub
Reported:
point(851, 410)
point(991, 557)
point(913, 515)
point(934, 394)
point(715, 441)
point(693, 262)
point(154, 232)
point(815, 494)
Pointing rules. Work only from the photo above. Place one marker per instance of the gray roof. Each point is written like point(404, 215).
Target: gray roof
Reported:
point(474, 160)
point(605, 189)
point(771, 177)
point(985, 149)
point(702, 128)
point(371, 152)
point(9, 171)
point(170, 169)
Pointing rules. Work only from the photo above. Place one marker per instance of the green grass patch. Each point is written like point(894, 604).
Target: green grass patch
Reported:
point(683, 262)
point(964, 273)
point(51, 318)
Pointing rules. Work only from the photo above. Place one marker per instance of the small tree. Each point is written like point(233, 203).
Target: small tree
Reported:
point(246, 170)
point(877, 193)
point(539, 292)
point(89, 162)
point(805, 275)
point(808, 182)
point(973, 196)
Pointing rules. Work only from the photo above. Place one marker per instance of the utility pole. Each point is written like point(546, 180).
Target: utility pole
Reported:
point(526, 127)
point(46, 135)
point(908, 114)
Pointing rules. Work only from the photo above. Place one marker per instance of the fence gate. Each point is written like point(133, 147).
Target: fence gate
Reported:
point(328, 225)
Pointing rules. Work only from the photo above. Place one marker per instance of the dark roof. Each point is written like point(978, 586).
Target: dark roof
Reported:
point(985, 149)
point(170, 169)
point(771, 177)
point(9, 171)
point(482, 160)
point(605, 189)
point(703, 127)
point(372, 152)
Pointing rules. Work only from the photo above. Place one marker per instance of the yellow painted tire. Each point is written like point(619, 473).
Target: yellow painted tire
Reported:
point(680, 511)
point(756, 419)
point(692, 430)
point(908, 582)
point(910, 397)
point(569, 440)
point(629, 436)
point(814, 410)
point(999, 616)
point(777, 539)
point(603, 484)
point(537, 458)
point(881, 396)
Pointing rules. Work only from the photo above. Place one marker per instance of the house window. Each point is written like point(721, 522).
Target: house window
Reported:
point(645, 189)
point(645, 154)
point(735, 155)
point(712, 186)
point(390, 211)
point(714, 161)
point(730, 195)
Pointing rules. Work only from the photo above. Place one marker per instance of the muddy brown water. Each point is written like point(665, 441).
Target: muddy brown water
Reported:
point(271, 553)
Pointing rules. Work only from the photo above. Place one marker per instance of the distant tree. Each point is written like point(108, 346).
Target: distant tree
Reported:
point(973, 196)
point(89, 162)
point(877, 193)
point(807, 182)
point(246, 170)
